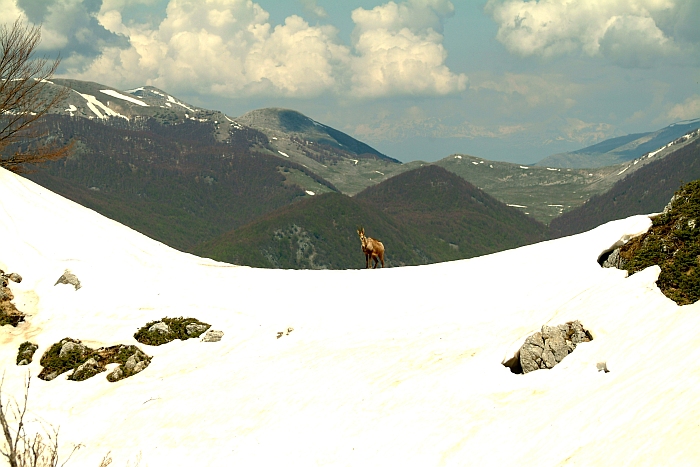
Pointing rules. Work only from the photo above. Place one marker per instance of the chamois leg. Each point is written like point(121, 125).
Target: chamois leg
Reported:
point(367, 261)
point(376, 261)
point(381, 257)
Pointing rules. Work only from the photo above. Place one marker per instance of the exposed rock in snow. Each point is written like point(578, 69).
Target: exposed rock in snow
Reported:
point(195, 329)
point(160, 327)
point(169, 329)
point(547, 348)
point(25, 353)
point(69, 278)
point(212, 336)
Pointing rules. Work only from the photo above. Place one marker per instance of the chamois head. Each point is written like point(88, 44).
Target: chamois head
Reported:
point(361, 233)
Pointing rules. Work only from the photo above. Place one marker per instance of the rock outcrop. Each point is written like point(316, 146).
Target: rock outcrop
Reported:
point(9, 314)
point(547, 348)
point(168, 329)
point(70, 354)
point(25, 353)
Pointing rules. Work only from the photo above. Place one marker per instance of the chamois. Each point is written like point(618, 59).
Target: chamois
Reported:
point(372, 248)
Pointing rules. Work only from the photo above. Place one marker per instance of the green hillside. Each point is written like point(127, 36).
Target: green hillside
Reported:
point(176, 184)
point(317, 233)
point(453, 212)
point(423, 216)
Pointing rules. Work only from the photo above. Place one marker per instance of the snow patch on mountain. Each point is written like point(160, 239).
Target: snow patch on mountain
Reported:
point(93, 103)
point(111, 92)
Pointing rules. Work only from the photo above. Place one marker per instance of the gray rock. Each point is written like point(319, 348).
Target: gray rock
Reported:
point(613, 260)
point(14, 277)
point(137, 362)
point(140, 366)
point(670, 203)
point(212, 336)
point(6, 294)
point(547, 348)
point(27, 355)
point(116, 375)
point(160, 327)
point(194, 329)
point(51, 376)
point(87, 370)
point(531, 353)
point(68, 278)
point(70, 347)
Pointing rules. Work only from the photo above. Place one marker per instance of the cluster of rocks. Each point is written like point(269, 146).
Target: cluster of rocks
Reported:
point(70, 354)
point(547, 348)
point(83, 362)
point(9, 314)
point(168, 329)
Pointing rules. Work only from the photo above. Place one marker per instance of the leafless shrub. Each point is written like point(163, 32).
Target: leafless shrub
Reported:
point(24, 449)
point(26, 95)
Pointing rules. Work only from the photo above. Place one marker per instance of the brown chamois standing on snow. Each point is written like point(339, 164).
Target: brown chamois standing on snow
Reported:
point(372, 248)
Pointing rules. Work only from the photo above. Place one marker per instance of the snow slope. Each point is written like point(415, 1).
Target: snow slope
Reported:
point(383, 367)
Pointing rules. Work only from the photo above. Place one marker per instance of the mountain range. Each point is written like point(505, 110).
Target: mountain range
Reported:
point(256, 189)
point(621, 149)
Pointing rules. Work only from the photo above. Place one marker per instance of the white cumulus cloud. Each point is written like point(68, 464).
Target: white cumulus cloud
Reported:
point(399, 50)
point(230, 48)
point(630, 33)
point(686, 110)
point(9, 12)
point(223, 47)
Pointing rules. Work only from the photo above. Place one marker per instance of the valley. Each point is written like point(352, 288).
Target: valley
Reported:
point(202, 181)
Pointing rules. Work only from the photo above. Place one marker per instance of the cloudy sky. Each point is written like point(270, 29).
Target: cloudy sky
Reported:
point(417, 79)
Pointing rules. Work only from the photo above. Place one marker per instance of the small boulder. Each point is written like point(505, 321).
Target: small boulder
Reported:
point(195, 329)
point(87, 370)
point(116, 375)
point(160, 327)
point(547, 348)
point(68, 278)
point(136, 362)
point(70, 348)
point(212, 336)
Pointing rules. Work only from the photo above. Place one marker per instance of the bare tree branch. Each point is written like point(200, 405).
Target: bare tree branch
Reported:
point(26, 95)
point(20, 448)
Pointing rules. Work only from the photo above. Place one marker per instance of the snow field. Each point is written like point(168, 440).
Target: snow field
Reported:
point(384, 367)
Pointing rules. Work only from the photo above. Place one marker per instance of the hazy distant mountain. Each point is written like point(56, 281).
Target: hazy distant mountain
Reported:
point(644, 191)
point(621, 149)
point(546, 192)
point(426, 215)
